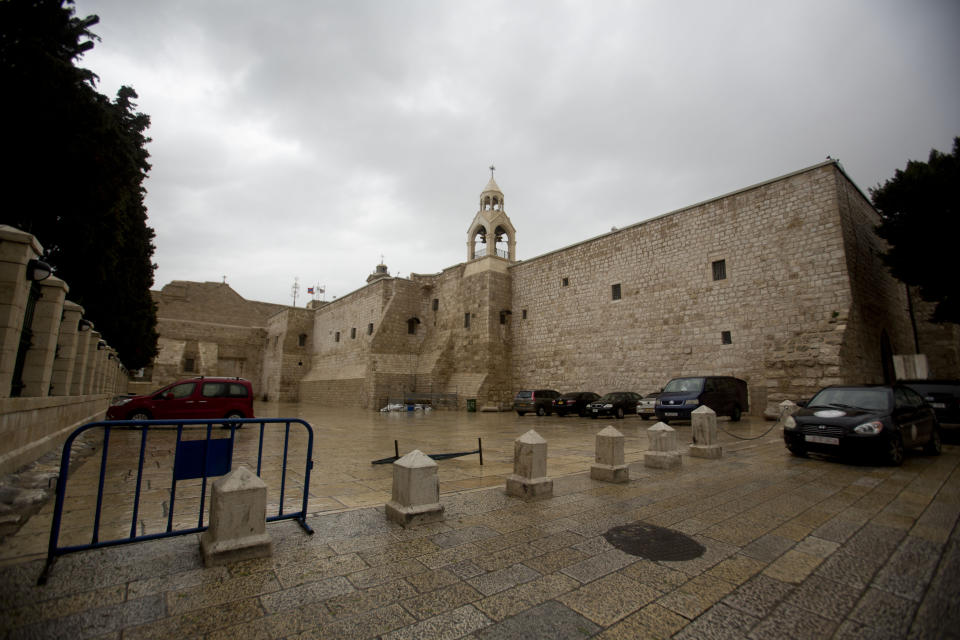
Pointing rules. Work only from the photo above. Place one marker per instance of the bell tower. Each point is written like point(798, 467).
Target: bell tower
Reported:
point(491, 234)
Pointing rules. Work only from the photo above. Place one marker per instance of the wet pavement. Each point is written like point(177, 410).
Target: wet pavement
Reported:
point(800, 548)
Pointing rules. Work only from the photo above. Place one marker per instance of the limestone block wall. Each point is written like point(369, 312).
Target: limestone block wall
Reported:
point(878, 312)
point(782, 249)
point(209, 323)
point(215, 349)
point(940, 342)
point(343, 332)
point(287, 353)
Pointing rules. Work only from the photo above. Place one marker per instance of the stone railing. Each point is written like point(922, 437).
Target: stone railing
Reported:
point(55, 369)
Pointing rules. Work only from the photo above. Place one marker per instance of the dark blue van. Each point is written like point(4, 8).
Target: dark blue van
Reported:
point(726, 395)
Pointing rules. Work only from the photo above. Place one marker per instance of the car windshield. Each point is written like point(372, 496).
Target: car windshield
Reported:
point(684, 384)
point(524, 394)
point(610, 397)
point(852, 398)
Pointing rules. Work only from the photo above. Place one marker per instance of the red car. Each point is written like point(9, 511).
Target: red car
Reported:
point(195, 398)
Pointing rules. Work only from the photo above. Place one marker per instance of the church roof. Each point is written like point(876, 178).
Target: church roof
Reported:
point(492, 186)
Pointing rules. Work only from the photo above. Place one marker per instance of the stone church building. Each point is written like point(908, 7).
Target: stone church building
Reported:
point(779, 284)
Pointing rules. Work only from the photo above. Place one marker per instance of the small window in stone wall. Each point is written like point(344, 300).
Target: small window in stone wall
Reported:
point(353, 333)
point(436, 304)
point(524, 314)
point(720, 270)
point(336, 337)
point(302, 340)
point(412, 325)
point(726, 338)
point(188, 364)
point(370, 329)
point(566, 282)
point(466, 320)
point(615, 291)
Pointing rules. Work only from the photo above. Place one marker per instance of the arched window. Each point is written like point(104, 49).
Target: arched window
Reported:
point(412, 325)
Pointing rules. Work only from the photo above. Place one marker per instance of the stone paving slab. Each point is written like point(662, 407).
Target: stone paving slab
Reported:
point(794, 548)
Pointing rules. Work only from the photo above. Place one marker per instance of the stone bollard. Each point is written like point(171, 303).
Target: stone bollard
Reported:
point(663, 453)
point(416, 491)
point(609, 465)
point(529, 478)
point(238, 520)
point(787, 408)
point(704, 423)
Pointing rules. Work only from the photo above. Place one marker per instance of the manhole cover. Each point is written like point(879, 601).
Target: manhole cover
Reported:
point(654, 543)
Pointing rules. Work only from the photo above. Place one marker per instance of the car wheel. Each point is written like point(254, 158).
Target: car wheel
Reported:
point(139, 415)
point(934, 446)
point(619, 413)
point(797, 451)
point(582, 413)
point(665, 421)
point(895, 450)
point(232, 415)
point(541, 411)
point(520, 413)
point(644, 416)
point(735, 414)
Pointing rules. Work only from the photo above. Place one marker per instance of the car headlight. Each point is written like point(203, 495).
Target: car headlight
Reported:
point(121, 402)
point(789, 423)
point(692, 402)
point(608, 406)
point(869, 428)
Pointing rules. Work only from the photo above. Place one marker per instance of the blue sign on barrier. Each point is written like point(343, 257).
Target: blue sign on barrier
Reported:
point(189, 462)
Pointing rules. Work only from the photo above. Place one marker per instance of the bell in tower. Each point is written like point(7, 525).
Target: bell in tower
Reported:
point(491, 234)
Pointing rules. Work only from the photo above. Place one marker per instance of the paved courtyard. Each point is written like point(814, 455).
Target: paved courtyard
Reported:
point(798, 548)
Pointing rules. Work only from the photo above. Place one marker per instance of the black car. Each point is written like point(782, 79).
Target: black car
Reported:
point(574, 402)
point(617, 403)
point(871, 420)
point(942, 395)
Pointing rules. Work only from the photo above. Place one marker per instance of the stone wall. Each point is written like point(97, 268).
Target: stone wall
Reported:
point(287, 354)
point(784, 299)
point(940, 342)
point(56, 372)
point(878, 322)
point(30, 427)
point(207, 328)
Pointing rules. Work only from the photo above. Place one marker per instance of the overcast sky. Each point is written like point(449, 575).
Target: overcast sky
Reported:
point(303, 139)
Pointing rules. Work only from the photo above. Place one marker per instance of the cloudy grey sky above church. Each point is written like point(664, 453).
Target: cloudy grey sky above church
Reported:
point(302, 139)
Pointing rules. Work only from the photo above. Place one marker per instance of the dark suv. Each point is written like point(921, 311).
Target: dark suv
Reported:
point(539, 401)
point(195, 398)
point(942, 395)
point(727, 396)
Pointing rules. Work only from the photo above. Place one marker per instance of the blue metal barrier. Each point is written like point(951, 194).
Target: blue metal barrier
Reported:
point(205, 458)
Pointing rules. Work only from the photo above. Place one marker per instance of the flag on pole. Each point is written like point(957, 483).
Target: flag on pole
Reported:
point(310, 290)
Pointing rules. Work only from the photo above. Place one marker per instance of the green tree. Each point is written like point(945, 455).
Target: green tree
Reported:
point(74, 166)
point(919, 208)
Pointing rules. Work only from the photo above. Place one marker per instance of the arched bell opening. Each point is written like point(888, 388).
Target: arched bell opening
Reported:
point(491, 202)
point(502, 242)
point(478, 242)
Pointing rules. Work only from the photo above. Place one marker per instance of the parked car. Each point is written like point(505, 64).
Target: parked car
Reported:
point(194, 398)
point(727, 396)
point(872, 420)
point(539, 401)
point(574, 402)
point(646, 408)
point(942, 395)
point(617, 403)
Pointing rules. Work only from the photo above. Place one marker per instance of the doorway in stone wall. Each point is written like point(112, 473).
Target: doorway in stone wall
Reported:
point(886, 358)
